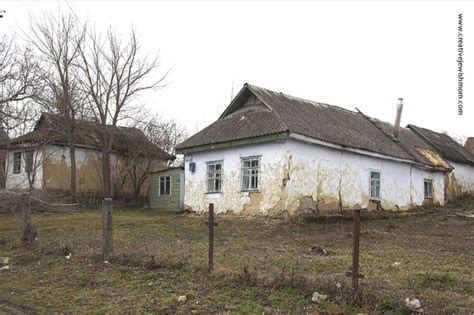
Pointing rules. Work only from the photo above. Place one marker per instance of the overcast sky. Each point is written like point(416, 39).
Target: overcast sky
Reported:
point(363, 55)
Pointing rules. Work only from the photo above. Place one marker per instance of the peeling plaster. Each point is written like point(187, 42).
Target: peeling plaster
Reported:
point(298, 177)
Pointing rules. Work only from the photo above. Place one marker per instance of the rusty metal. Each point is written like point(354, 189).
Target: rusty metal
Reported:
point(211, 236)
point(355, 253)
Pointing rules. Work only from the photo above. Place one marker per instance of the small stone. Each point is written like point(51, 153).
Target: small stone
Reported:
point(396, 264)
point(69, 256)
point(106, 262)
point(413, 305)
point(338, 285)
point(182, 298)
point(150, 284)
point(230, 307)
point(4, 268)
point(318, 297)
point(4, 260)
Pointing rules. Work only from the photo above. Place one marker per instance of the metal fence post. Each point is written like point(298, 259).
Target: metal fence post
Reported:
point(211, 236)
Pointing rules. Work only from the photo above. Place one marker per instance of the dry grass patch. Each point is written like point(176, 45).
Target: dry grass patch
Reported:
point(261, 265)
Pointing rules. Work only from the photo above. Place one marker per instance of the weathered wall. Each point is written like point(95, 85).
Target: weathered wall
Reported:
point(57, 169)
point(88, 170)
point(337, 179)
point(273, 162)
point(20, 181)
point(460, 181)
point(167, 202)
point(301, 177)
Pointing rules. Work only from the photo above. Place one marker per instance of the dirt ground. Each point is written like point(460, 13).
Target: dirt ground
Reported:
point(261, 265)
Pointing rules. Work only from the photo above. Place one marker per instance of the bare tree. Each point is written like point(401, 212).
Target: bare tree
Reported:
point(166, 134)
point(19, 82)
point(18, 76)
point(57, 40)
point(114, 74)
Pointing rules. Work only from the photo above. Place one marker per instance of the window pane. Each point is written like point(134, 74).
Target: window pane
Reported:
point(210, 184)
point(245, 182)
point(217, 185)
point(374, 175)
point(218, 166)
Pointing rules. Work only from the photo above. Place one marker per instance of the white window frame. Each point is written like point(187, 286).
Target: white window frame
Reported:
point(214, 176)
point(17, 160)
point(426, 181)
point(372, 195)
point(164, 177)
point(251, 174)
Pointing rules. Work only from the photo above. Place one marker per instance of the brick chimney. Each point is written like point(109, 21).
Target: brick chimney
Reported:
point(469, 145)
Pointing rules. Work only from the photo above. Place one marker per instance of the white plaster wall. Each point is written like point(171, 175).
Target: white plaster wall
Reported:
point(297, 174)
point(418, 189)
point(231, 198)
point(20, 181)
point(464, 176)
point(320, 171)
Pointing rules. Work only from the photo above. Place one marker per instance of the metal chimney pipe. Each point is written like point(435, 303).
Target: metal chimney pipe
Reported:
point(396, 129)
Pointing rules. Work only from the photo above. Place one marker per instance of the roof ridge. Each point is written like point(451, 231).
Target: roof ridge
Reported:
point(300, 98)
point(280, 120)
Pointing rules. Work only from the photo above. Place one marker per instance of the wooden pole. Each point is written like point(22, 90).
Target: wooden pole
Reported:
point(211, 236)
point(107, 228)
point(355, 253)
point(29, 232)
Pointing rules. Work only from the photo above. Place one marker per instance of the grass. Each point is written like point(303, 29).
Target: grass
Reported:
point(261, 265)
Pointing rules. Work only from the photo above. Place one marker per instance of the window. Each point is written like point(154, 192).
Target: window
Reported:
point(17, 163)
point(165, 185)
point(250, 173)
point(214, 177)
point(375, 185)
point(428, 188)
point(29, 161)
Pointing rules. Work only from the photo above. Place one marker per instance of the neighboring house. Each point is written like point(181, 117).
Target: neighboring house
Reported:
point(167, 189)
point(3, 143)
point(274, 154)
point(41, 158)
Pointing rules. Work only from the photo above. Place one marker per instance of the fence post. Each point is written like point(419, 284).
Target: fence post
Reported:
point(107, 228)
point(355, 254)
point(211, 236)
point(29, 231)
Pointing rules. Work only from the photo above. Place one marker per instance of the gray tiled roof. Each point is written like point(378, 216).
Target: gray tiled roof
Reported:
point(276, 112)
point(445, 145)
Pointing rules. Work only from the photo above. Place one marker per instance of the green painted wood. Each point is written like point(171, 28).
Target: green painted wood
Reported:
point(166, 202)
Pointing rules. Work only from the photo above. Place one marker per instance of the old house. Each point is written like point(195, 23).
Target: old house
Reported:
point(41, 159)
point(274, 154)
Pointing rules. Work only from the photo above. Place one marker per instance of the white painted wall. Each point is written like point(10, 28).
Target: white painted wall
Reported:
point(20, 181)
point(294, 173)
point(320, 171)
point(232, 199)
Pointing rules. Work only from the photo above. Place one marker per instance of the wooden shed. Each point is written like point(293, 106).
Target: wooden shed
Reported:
point(167, 189)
